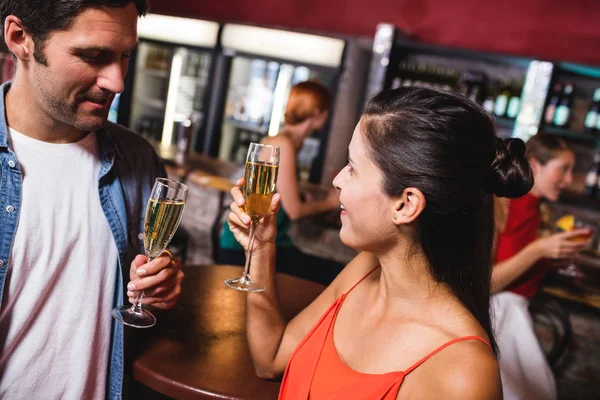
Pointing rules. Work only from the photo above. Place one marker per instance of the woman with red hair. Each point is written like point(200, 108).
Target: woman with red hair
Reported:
point(306, 112)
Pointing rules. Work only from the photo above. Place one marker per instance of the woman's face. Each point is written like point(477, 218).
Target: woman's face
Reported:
point(554, 176)
point(367, 219)
point(319, 119)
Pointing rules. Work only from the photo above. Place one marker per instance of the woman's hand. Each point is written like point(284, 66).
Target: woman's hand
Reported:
point(561, 245)
point(239, 221)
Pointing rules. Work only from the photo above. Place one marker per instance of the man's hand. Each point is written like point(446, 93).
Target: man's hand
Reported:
point(160, 279)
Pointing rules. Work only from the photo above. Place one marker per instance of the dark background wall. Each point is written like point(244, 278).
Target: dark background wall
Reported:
point(566, 30)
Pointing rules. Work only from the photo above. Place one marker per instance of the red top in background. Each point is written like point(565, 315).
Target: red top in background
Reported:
point(522, 227)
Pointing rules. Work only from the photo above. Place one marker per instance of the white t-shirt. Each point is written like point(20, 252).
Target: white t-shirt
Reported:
point(55, 322)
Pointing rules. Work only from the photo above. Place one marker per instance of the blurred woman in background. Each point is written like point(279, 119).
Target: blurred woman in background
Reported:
point(522, 260)
point(306, 112)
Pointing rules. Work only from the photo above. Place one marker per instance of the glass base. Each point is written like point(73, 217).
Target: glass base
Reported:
point(135, 319)
point(244, 285)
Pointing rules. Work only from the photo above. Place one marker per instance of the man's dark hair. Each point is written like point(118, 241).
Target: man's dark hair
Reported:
point(42, 17)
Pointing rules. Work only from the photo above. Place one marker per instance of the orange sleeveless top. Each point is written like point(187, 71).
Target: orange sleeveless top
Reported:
point(316, 372)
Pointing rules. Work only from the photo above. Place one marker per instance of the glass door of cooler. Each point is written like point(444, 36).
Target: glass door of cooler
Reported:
point(256, 101)
point(150, 85)
point(169, 91)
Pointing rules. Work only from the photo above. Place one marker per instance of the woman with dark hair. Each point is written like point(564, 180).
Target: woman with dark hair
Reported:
point(409, 316)
point(522, 262)
point(306, 111)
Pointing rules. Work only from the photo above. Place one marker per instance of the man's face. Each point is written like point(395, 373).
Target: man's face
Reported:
point(86, 66)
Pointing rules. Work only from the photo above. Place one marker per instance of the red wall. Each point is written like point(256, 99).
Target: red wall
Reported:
point(548, 29)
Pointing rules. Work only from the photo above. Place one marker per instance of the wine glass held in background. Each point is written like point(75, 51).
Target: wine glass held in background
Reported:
point(260, 177)
point(163, 215)
point(568, 223)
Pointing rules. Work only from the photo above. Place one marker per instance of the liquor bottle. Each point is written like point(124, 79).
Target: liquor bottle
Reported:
point(474, 82)
point(396, 82)
point(554, 99)
point(514, 102)
point(591, 178)
point(406, 73)
point(591, 118)
point(563, 109)
point(502, 100)
point(490, 100)
point(464, 85)
point(422, 75)
point(402, 75)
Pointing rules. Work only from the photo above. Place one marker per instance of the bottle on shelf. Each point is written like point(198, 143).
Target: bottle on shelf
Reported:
point(490, 100)
point(421, 75)
point(444, 78)
point(501, 103)
point(408, 73)
point(553, 103)
point(591, 178)
point(514, 101)
point(464, 85)
point(472, 84)
point(592, 116)
point(563, 109)
point(396, 82)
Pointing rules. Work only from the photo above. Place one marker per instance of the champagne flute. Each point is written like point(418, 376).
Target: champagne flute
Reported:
point(163, 215)
point(262, 164)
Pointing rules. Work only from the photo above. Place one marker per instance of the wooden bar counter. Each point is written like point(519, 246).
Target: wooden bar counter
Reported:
point(198, 350)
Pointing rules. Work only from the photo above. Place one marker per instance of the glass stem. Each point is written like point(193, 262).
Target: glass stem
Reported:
point(246, 274)
point(137, 304)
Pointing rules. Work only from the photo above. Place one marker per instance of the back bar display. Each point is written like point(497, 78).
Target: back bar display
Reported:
point(255, 70)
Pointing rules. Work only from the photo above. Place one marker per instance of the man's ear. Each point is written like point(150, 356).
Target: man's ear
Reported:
point(408, 207)
point(17, 39)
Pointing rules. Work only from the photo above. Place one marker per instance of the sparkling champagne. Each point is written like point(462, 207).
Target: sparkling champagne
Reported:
point(162, 219)
point(260, 186)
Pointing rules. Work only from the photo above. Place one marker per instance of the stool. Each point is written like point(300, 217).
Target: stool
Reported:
point(546, 308)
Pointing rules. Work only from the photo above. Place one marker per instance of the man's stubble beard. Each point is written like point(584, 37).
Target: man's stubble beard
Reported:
point(61, 110)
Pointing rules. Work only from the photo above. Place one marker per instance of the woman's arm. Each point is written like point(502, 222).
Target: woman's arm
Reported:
point(555, 246)
point(287, 185)
point(270, 339)
point(507, 271)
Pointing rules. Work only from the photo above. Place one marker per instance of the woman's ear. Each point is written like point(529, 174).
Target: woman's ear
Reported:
point(408, 207)
point(536, 166)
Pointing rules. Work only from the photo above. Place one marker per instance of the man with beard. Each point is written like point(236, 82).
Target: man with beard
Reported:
point(73, 190)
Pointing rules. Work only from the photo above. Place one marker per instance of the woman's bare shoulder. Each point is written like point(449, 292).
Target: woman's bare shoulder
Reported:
point(465, 370)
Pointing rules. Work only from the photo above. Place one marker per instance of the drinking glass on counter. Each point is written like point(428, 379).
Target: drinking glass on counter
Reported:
point(260, 177)
point(163, 215)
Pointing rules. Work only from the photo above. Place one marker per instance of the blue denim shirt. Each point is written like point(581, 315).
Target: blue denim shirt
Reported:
point(129, 168)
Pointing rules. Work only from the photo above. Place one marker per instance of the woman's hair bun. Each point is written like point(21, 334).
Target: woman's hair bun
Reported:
point(510, 173)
